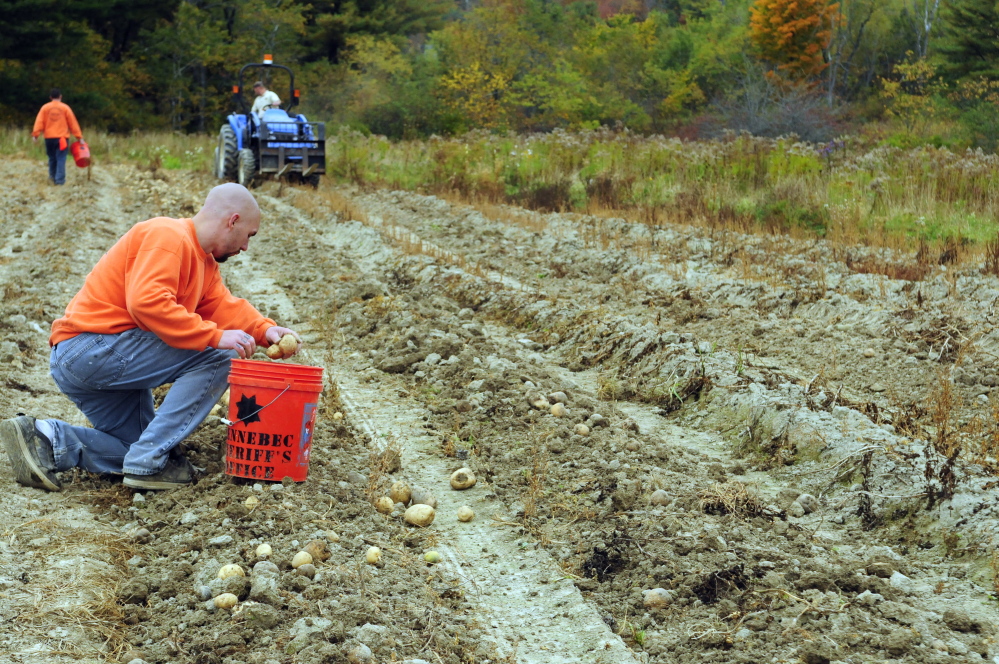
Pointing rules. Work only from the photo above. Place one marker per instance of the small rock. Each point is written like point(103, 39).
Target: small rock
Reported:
point(629, 425)
point(538, 402)
point(633, 446)
point(138, 498)
point(266, 568)
point(901, 582)
point(796, 510)
point(581, 429)
point(188, 518)
point(142, 535)
point(355, 477)
point(877, 387)
point(867, 598)
point(960, 621)
point(808, 502)
point(131, 655)
point(659, 497)
point(558, 397)
point(869, 352)
point(657, 598)
point(261, 616)
point(597, 420)
point(360, 654)
point(463, 406)
point(221, 540)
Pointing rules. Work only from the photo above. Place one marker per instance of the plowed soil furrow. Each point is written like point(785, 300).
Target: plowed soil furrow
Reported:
point(684, 449)
point(474, 408)
point(529, 610)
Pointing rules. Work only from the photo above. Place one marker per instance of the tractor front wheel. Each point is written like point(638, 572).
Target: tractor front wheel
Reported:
point(246, 167)
point(225, 154)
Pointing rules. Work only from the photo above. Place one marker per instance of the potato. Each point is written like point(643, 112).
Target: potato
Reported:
point(251, 502)
point(420, 515)
point(385, 505)
point(400, 493)
point(264, 550)
point(274, 352)
point(301, 558)
point(465, 513)
point(432, 557)
point(558, 410)
point(230, 570)
point(226, 601)
point(463, 478)
point(288, 345)
point(373, 555)
point(582, 429)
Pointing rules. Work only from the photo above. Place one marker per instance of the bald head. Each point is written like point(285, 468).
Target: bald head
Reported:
point(228, 199)
point(227, 221)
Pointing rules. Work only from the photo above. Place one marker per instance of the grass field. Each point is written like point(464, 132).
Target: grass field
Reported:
point(851, 194)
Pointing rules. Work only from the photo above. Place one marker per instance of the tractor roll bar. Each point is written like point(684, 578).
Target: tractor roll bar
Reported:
point(237, 90)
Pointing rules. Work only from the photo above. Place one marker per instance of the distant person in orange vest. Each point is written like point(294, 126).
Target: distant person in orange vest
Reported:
point(56, 121)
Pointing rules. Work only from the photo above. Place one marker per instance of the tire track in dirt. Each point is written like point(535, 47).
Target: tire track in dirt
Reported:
point(529, 608)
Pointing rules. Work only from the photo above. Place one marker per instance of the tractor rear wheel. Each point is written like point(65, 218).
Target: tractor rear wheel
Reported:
point(225, 154)
point(246, 167)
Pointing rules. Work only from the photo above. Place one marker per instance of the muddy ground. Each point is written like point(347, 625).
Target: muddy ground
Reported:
point(690, 445)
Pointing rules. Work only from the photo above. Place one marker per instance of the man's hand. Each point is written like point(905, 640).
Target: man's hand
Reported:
point(34, 138)
point(239, 341)
point(274, 334)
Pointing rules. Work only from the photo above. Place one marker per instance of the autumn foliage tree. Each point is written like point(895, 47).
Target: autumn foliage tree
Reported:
point(793, 35)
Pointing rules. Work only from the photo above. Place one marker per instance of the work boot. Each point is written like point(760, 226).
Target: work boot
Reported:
point(177, 472)
point(30, 453)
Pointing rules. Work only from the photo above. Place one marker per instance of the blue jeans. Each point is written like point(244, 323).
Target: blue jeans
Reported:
point(110, 378)
point(57, 160)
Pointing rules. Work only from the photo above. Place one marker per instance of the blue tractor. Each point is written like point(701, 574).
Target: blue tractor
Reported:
point(273, 143)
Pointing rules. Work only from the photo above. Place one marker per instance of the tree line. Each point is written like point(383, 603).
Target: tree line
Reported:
point(410, 68)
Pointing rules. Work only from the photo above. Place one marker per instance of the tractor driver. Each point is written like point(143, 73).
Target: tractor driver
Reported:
point(265, 99)
point(153, 311)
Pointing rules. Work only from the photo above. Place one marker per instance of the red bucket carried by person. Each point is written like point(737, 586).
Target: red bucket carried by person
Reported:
point(81, 154)
point(272, 413)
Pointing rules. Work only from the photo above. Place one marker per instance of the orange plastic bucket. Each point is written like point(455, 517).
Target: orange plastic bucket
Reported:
point(81, 154)
point(272, 413)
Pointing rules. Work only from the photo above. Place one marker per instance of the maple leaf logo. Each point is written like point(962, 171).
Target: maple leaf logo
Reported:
point(247, 409)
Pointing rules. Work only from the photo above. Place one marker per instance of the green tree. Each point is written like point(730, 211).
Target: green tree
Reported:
point(329, 23)
point(181, 55)
point(970, 42)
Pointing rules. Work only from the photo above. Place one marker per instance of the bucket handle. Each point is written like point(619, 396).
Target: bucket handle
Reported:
point(229, 422)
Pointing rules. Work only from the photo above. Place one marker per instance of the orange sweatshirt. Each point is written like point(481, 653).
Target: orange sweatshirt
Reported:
point(158, 278)
point(56, 120)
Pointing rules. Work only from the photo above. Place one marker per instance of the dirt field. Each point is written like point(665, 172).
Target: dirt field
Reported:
point(689, 445)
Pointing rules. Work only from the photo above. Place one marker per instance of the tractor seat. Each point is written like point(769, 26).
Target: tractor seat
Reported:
point(276, 115)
